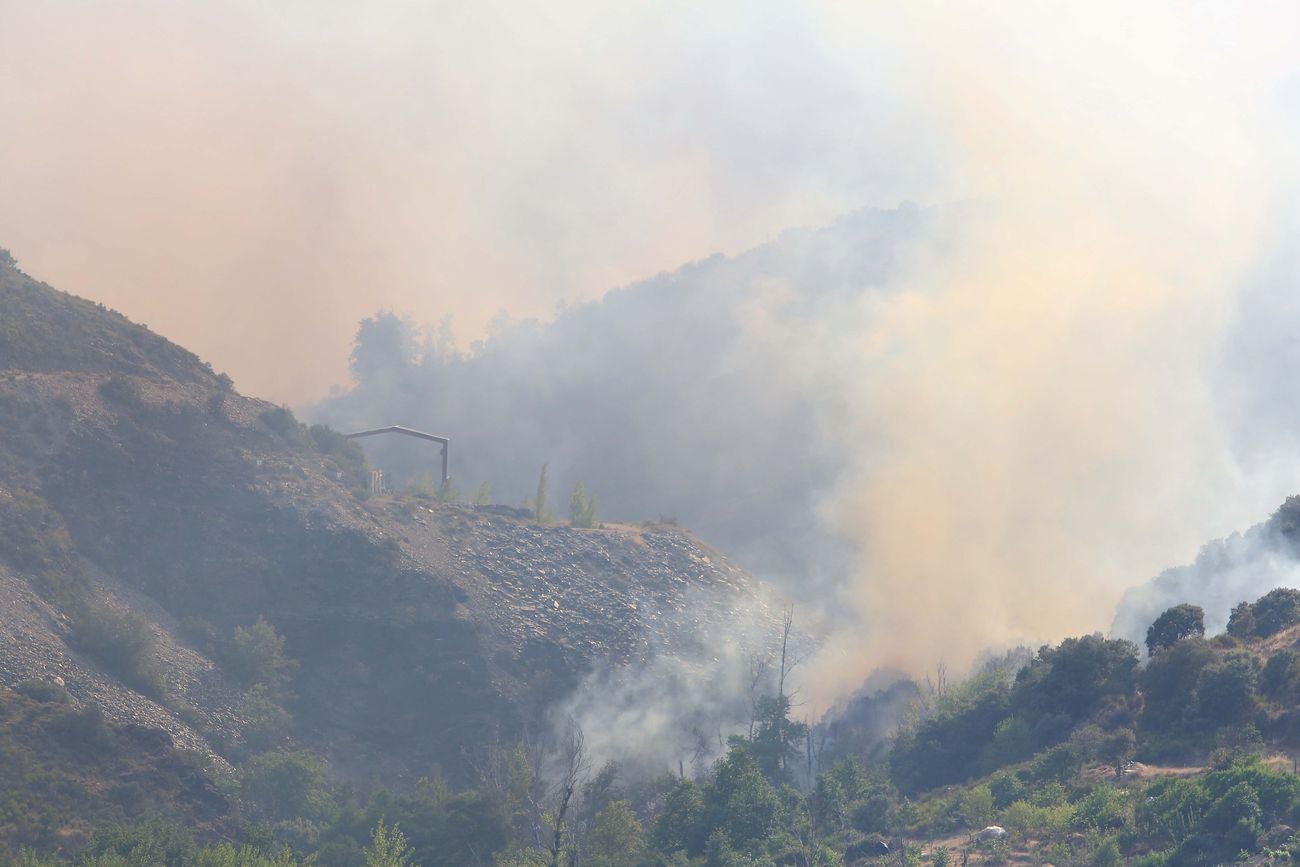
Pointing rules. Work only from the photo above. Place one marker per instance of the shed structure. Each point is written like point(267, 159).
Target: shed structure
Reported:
point(410, 432)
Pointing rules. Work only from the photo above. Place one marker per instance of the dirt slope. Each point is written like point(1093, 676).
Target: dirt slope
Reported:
point(134, 478)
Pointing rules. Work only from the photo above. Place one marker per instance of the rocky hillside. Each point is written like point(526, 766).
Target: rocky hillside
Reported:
point(148, 512)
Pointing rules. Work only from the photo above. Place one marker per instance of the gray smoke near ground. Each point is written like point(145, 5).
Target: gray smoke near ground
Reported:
point(675, 711)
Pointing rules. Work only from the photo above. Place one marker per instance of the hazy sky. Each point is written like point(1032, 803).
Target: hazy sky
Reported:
point(252, 178)
point(1054, 410)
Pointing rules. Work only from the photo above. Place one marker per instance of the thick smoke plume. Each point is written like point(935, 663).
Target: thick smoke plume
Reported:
point(712, 395)
point(964, 424)
point(252, 179)
point(1042, 403)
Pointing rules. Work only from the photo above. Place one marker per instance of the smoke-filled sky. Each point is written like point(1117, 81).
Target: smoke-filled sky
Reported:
point(252, 178)
point(1081, 378)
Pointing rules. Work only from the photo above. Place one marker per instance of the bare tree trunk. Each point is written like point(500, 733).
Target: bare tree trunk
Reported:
point(787, 622)
point(809, 750)
point(575, 765)
point(757, 669)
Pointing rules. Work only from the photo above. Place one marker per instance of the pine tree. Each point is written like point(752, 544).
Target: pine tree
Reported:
point(538, 503)
point(582, 509)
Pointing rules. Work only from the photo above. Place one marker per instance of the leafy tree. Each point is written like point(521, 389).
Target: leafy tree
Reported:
point(287, 785)
point(1103, 807)
point(268, 723)
point(1169, 679)
point(7, 259)
point(1225, 689)
point(1075, 676)
point(1175, 624)
point(151, 843)
point(1006, 788)
point(617, 838)
point(976, 806)
point(1117, 748)
point(1012, 742)
point(448, 492)
point(123, 642)
point(538, 503)
point(740, 801)
point(388, 847)
point(876, 812)
point(255, 656)
point(1281, 675)
point(1278, 791)
point(837, 789)
point(1171, 809)
point(1061, 764)
point(1236, 814)
point(1241, 621)
point(384, 349)
point(445, 830)
point(1107, 854)
point(582, 509)
point(944, 746)
point(776, 737)
point(1276, 610)
point(680, 827)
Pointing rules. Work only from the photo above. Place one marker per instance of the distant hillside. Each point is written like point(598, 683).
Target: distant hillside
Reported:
point(1237, 569)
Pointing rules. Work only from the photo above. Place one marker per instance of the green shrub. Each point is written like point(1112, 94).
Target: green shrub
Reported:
point(977, 806)
point(120, 390)
point(388, 847)
point(945, 747)
point(1225, 689)
point(582, 508)
point(1107, 854)
point(1174, 625)
point(87, 728)
point(268, 723)
point(122, 642)
point(1276, 610)
point(255, 657)
point(537, 505)
point(32, 535)
point(153, 843)
point(1281, 675)
point(617, 838)
point(279, 420)
point(1241, 621)
point(287, 785)
point(1103, 808)
point(44, 690)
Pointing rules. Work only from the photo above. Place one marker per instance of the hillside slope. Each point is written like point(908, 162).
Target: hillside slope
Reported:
point(135, 480)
